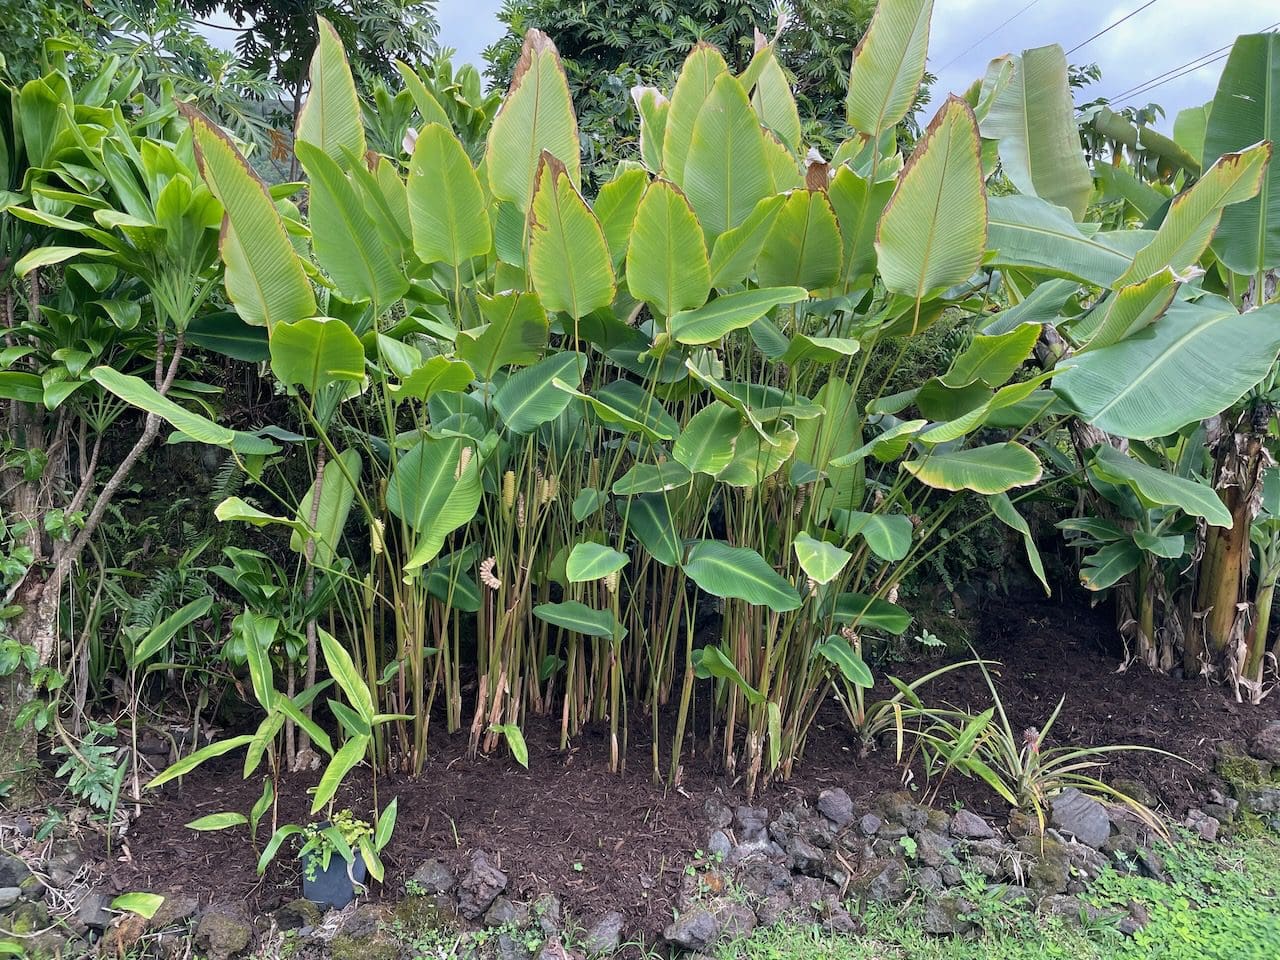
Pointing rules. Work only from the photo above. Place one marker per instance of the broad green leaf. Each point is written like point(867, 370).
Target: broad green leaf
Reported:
point(821, 441)
point(860, 610)
point(515, 742)
point(991, 469)
point(635, 404)
point(159, 635)
point(698, 76)
point(145, 905)
point(336, 497)
point(740, 573)
point(819, 349)
point(651, 478)
point(821, 561)
point(139, 393)
point(345, 674)
point(1125, 312)
point(1198, 360)
point(592, 561)
point(649, 518)
point(344, 236)
point(1032, 118)
point(587, 502)
point(330, 116)
point(888, 66)
point(1155, 487)
point(934, 230)
point(536, 118)
point(530, 398)
point(887, 534)
point(48, 256)
point(1194, 215)
point(712, 661)
point(429, 108)
point(858, 204)
point(1169, 547)
point(436, 375)
point(735, 251)
point(1033, 233)
point(226, 333)
point(617, 419)
point(264, 277)
point(707, 442)
point(579, 618)
point(569, 261)
point(435, 488)
point(667, 257)
point(217, 821)
point(757, 456)
point(1008, 514)
point(1119, 183)
point(992, 360)
point(1245, 111)
point(730, 312)
point(315, 353)
point(446, 205)
point(653, 109)
point(193, 760)
point(1111, 564)
point(726, 171)
point(840, 653)
point(804, 248)
point(774, 102)
point(237, 510)
point(351, 753)
point(514, 333)
point(615, 207)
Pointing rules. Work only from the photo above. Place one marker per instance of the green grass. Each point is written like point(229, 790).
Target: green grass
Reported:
point(1223, 904)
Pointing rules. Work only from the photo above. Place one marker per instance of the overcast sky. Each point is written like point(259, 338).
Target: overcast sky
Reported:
point(1166, 36)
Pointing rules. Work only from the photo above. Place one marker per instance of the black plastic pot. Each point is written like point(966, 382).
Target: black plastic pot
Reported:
point(332, 887)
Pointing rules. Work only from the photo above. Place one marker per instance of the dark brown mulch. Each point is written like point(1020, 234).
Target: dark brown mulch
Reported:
point(619, 842)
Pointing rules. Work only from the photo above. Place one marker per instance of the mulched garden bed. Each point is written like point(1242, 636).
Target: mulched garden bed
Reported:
point(605, 842)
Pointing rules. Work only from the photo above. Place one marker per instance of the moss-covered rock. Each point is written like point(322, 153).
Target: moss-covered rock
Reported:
point(1048, 864)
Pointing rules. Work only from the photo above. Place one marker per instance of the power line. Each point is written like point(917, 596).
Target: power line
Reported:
point(1179, 71)
point(1112, 26)
point(988, 36)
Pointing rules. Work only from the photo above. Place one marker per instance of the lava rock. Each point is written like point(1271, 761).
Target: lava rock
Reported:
point(774, 909)
point(836, 806)
point(967, 825)
point(1081, 816)
point(718, 815)
point(929, 880)
point(1258, 798)
point(223, 931)
point(751, 823)
point(763, 878)
point(870, 825)
point(605, 935)
point(901, 808)
point(932, 849)
point(1265, 744)
point(503, 912)
point(889, 885)
point(805, 857)
point(434, 876)
point(836, 919)
point(93, 910)
point(1203, 824)
point(294, 915)
point(12, 871)
point(694, 929)
point(549, 913)
point(507, 947)
point(735, 920)
point(9, 896)
point(1070, 909)
point(950, 875)
point(945, 917)
point(719, 844)
point(1050, 864)
point(480, 886)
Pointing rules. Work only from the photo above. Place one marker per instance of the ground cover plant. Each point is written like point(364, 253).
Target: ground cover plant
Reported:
point(500, 438)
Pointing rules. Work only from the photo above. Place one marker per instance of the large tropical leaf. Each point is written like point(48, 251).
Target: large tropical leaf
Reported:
point(773, 101)
point(536, 117)
point(316, 352)
point(888, 66)
point(804, 247)
point(990, 469)
point(1246, 110)
point(1196, 361)
point(1158, 487)
point(707, 442)
point(569, 261)
point(435, 488)
point(514, 332)
point(934, 230)
point(887, 534)
point(446, 205)
point(821, 561)
point(1035, 234)
point(592, 561)
point(345, 237)
point(736, 250)
point(858, 203)
point(1033, 119)
point(649, 518)
point(615, 207)
point(1194, 215)
point(738, 572)
point(336, 496)
point(697, 77)
point(579, 618)
point(330, 117)
point(667, 256)
point(137, 392)
point(733, 311)
point(726, 172)
point(530, 398)
point(264, 277)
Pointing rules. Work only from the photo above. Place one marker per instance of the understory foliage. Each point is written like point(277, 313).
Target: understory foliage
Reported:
point(525, 449)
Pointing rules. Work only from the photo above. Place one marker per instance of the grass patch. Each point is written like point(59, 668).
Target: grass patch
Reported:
point(1223, 904)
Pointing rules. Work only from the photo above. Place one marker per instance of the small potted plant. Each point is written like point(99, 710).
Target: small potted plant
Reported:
point(332, 858)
